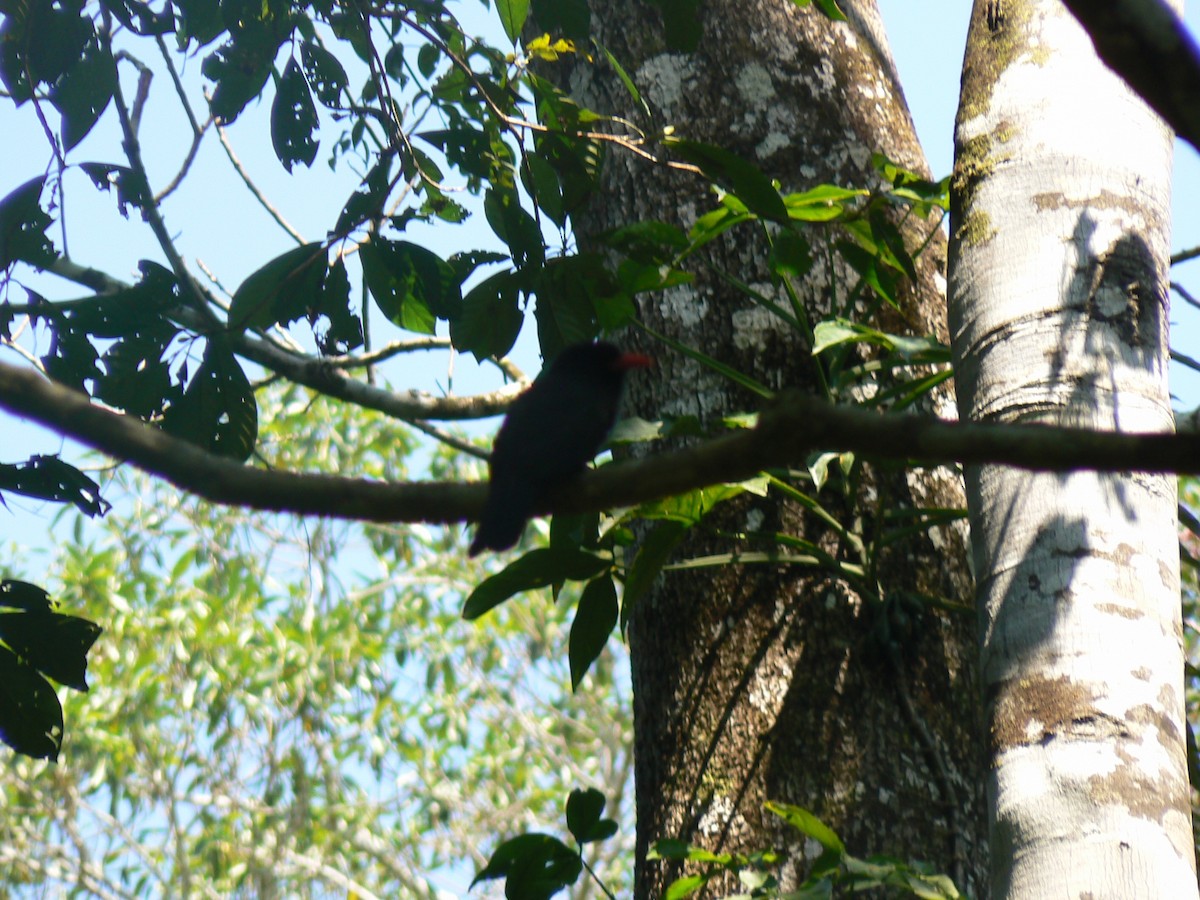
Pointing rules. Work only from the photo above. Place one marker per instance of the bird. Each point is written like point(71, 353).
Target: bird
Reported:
point(550, 434)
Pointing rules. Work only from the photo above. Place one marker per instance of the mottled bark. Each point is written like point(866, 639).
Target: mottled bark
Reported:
point(1059, 271)
point(767, 683)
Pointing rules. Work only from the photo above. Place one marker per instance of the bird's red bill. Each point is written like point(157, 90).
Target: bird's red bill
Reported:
point(628, 361)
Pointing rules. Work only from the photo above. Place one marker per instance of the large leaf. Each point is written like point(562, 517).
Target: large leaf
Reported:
point(23, 225)
point(512, 16)
point(535, 866)
point(283, 290)
point(49, 478)
point(54, 644)
point(217, 411)
point(31, 719)
point(737, 176)
point(536, 569)
point(293, 119)
point(584, 808)
point(131, 187)
point(411, 285)
point(595, 619)
point(491, 317)
point(84, 91)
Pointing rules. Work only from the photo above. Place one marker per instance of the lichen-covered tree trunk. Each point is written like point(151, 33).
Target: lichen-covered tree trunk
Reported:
point(769, 683)
point(1058, 275)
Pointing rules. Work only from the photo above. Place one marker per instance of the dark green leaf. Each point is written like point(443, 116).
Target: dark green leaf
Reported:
point(584, 808)
point(515, 227)
point(23, 595)
point(23, 225)
point(293, 119)
point(595, 619)
point(199, 20)
point(139, 18)
point(30, 715)
point(83, 92)
point(132, 189)
point(535, 865)
point(652, 555)
point(283, 290)
point(744, 180)
point(536, 569)
point(541, 180)
point(367, 201)
point(791, 256)
point(217, 411)
point(681, 23)
point(491, 317)
point(568, 18)
point(324, 73)
point(137, 377)
point(411, 285)
point(344, 332)
point(71, 359)
point(49, 478)
point(54, 644)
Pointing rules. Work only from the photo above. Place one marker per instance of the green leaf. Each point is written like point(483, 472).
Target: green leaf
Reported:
point(132, 189)
point(685, 886)
point(412, 286)
point(367, 201)
point(83, 92)
point(282, 290)
point(217, 411)
point(744, 180)
point(512, 16)
point(681, 23)
point(652, 555)
point(535, 865)
point(324, 73)
point(23, 225)
point(491, 317)
point(916, 350)
point(791, 256)
point(570, 18)
point(16, 594)
point(536, 569)
point(54, 644)
point(293, 119)
point(584, 808)
point(630, 87)
point(344, 332)
point(806, 823)
point(515, 227)
point(49, 478)
point(541, 180)
point(595, 619)
point(31, 719)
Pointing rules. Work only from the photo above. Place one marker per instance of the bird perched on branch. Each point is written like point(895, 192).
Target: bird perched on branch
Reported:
point(550, 434)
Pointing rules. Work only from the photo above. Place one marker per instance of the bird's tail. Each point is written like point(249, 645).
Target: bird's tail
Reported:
point(504, 515)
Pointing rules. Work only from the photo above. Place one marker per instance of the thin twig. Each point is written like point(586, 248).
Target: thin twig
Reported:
point(258, 194)
point(448, 439)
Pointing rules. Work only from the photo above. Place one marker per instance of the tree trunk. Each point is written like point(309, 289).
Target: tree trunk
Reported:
point(1058, 274)
point(770, 683)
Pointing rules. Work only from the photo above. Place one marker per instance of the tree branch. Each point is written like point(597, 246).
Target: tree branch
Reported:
point(1148, 46)
point(793, 427)
point(318, 374)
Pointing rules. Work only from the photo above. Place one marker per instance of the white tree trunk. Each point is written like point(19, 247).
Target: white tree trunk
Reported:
point(1058, 293)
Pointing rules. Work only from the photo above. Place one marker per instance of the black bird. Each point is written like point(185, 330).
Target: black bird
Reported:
point(550, 434)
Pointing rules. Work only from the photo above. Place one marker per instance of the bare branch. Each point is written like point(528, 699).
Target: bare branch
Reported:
point(318, 374)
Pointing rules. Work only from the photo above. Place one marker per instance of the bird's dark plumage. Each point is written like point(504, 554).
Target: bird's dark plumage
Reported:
point(551, 432)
